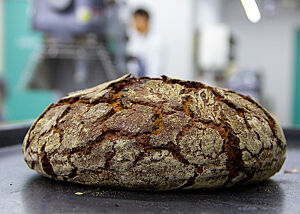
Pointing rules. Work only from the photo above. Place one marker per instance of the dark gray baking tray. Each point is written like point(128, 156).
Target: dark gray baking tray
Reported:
point(24, 191)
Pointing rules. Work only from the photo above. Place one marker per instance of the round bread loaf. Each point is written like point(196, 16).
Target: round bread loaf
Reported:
point(155, 134)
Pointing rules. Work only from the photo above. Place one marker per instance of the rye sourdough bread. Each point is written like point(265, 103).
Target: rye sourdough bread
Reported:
point(155, 134)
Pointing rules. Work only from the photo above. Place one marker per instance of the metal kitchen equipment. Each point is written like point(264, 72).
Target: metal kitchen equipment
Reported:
point(84, 44)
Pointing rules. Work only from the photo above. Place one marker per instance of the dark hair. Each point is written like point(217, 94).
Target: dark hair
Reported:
point(142, 12)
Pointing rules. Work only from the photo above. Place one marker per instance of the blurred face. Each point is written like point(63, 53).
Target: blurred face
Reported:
point(141, 24)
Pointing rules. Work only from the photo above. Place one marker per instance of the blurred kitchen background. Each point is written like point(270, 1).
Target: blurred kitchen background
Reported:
point(51, 47)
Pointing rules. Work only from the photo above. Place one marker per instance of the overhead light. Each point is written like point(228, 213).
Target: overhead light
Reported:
point(251, 10)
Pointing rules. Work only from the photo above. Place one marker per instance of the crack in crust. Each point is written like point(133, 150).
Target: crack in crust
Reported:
point(148, 150)
point(26, 143)
point(272, 123)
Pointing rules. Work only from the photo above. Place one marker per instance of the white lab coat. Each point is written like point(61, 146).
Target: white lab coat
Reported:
point(148, 48)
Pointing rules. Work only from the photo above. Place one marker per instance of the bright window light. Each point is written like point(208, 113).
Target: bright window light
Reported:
point(251, 10)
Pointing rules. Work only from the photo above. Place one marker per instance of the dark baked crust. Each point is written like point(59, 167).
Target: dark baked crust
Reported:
point(155, 134)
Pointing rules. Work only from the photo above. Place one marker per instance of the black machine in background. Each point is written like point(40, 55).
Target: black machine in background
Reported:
point(69, 17)
point(84, 44)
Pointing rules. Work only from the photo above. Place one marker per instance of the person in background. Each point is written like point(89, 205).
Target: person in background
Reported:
point(144, 47)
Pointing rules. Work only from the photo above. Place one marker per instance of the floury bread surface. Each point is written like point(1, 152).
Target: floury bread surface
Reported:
point(155, 134)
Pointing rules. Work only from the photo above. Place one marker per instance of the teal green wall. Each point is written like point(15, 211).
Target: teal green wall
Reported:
point(19, 43)
point(296, 115)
